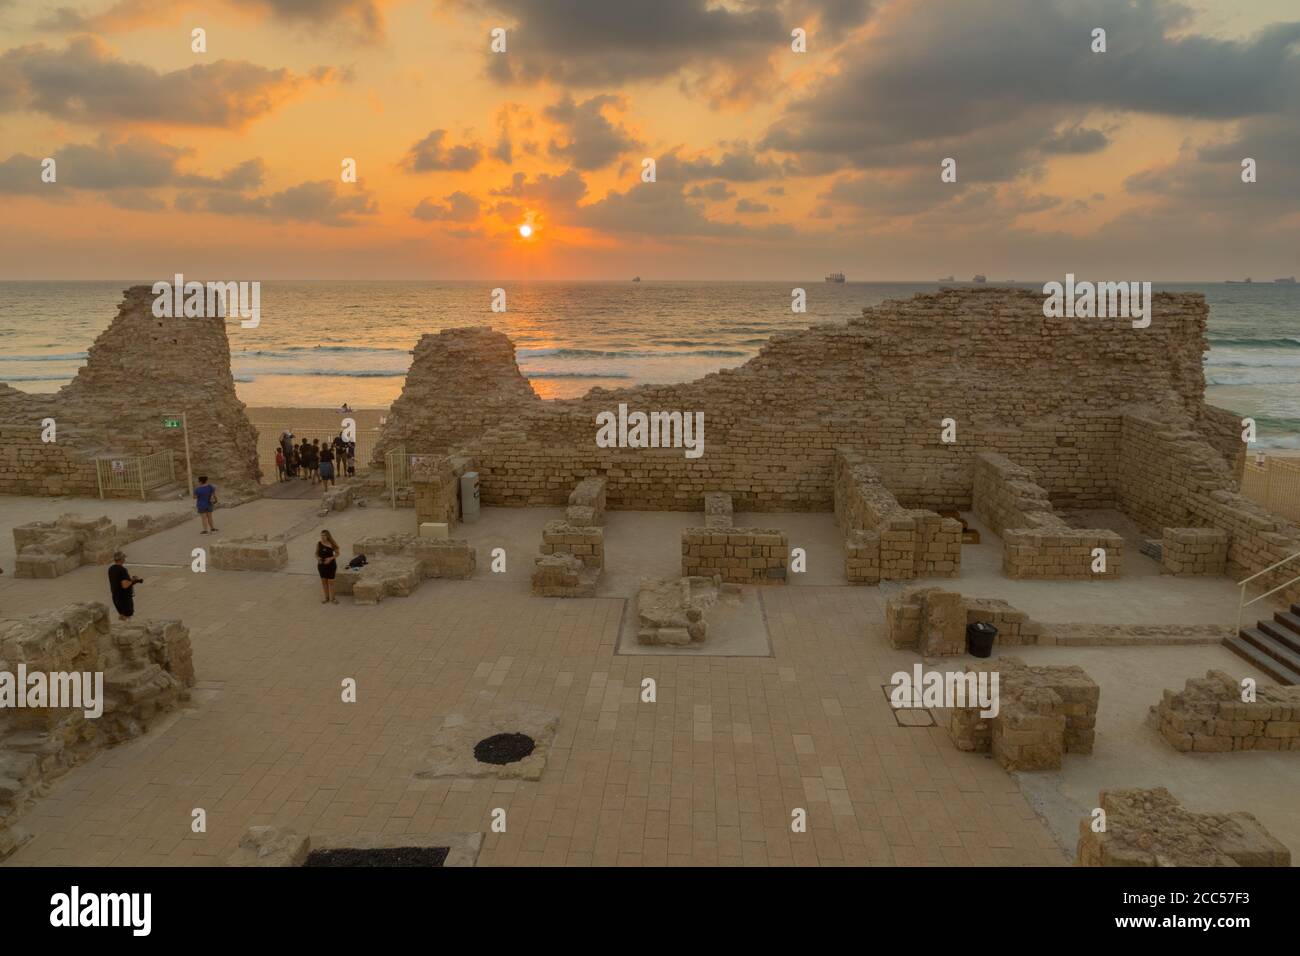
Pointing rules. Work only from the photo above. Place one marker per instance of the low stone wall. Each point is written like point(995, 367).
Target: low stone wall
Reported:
point(438, 557)
point(736, 555)
point(257, 552)
point(1043, 713)
point(1194, 551)
point(564, 575)
point(1151, 828)
point(1209, 716)
point(147, 669)
point(897, 544)
point(48, 549)
point(587, 503)
point(1036, 541)
point(931, 620)
point(587, 544)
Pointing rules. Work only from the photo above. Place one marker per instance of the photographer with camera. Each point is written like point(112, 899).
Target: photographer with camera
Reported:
point(122, 586)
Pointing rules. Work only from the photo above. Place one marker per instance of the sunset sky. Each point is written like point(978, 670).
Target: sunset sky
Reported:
point(770, 163)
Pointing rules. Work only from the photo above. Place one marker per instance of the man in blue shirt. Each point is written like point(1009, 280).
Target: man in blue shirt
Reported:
point(206, 497)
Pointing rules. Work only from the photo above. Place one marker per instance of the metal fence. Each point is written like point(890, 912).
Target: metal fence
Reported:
point(398, 463)
point(1275, 484)
point(132, 475)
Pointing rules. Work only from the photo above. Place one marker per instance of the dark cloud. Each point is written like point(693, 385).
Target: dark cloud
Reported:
point(585, 43)
point(716, 191)
point(456, 207)
point(1076, 140)
point(662, 211)
point(566, 189)
point(86, 83)
point(432, 154)
point(991, 81)
point(133, 165)
point(324, 202)
point(750, 206)
point(360, 18)
point(591, 140)
point(738, 164)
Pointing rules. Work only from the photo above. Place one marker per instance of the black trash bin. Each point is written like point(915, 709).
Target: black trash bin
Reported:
point(979, 639)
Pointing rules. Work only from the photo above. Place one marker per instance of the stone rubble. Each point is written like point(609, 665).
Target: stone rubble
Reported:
point(1209, 716)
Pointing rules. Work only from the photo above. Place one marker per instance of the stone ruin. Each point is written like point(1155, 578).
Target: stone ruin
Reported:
point(1036, 541)
point(573, 549)
point(933, 621)
point(48, 549)
point(254, 552)
point(1151, 828)
point(1131, 433)
point(397, 563)
point(1043, 713)
point(674, 612)
point(148, 670)
point(138, 371)
point(1209, 716)
point(734, 555)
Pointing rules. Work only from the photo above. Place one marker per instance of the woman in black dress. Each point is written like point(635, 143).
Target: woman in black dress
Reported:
point(327, 553)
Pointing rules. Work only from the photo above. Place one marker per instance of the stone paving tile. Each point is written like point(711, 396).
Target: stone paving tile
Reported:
point(709, 774)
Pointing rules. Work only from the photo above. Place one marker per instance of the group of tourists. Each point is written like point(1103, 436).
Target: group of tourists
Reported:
point(315, 461)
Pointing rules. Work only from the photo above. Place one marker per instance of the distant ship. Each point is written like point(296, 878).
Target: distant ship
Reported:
point(1289, 280)
point(1238, 281)
point(835, 277)
point(947, 279)
point(980, 278)
point(636, 278)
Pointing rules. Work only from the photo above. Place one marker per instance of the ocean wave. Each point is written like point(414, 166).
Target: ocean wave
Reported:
point(248, 375)
point(1276, 343)
point(544, 374)
point(292, 351)
point(62, 357)
point(35, 378)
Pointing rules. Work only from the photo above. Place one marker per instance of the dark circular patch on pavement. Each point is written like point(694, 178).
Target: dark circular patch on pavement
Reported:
point(503, 748)
point(384, 856)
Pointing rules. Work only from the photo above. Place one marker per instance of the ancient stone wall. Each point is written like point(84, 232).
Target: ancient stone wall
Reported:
point(587, 544)
point(436, 488)
point(1209, 716)
point(880, 385)
point(1170, 478)
point(1193, 551)
point(737, 555)
point(138, 371)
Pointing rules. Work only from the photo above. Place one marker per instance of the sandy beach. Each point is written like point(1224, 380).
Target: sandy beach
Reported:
point(319, 423)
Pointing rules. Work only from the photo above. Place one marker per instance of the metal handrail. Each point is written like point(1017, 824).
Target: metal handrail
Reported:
point(1242, 603)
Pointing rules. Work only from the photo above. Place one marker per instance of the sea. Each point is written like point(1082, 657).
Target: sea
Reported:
point(323, 343)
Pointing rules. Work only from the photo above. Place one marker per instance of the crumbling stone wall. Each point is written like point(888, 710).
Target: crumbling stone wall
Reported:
point(1170, 478)
point(736, 555)
point(586, 544)
point(587, 503)
point(436, 489)
point(438, 557)
point(674, 612)
point(148, 669)
point(1209, 716)
point(1036, 541)
point(48, 549)
point(880, 385)
point(1151, 828)
point(138, 371)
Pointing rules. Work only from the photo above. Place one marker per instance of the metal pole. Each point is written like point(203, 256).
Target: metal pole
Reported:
point(99, 479)
point(189, 471)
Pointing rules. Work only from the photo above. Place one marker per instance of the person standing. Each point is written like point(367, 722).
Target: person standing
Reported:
point(205, 495)
point(327, 564)
point(326, 465)
point(280, 464)
point(122, 586)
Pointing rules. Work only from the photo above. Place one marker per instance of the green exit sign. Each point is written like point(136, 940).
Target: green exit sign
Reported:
point(171, 423)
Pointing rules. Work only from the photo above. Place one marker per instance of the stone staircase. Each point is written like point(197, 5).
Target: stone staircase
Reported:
point(1272, 646)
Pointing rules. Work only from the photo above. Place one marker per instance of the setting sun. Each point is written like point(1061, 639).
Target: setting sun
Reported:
point(525, 230)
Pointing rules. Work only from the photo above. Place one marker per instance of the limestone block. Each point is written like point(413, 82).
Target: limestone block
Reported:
point(257, 552)
point(434, 529)
point(271, 846)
